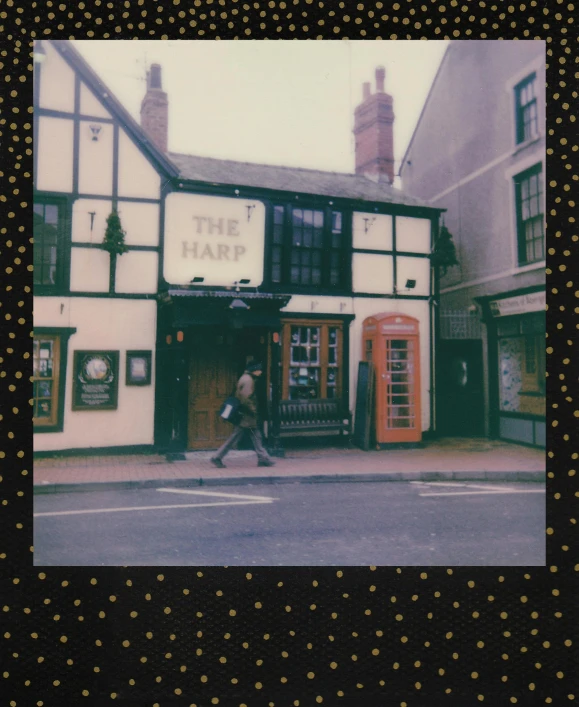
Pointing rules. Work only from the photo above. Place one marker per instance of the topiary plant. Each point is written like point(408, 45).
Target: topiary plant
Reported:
point(114, 240)
point(444, 253)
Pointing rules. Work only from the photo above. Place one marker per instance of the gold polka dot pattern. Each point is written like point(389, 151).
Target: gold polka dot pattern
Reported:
point(285, 636)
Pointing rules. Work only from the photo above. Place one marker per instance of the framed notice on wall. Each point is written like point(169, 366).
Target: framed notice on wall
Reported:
point(96, 380)
point(138, 368)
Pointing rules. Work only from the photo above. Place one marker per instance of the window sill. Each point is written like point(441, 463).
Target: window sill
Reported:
point(529, 267)
point(524, 145)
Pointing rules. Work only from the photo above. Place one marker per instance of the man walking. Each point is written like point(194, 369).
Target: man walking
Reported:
point(245, 393)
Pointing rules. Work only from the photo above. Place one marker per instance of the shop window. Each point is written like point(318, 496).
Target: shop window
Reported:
point(526, 109)
point(312, 365)
point(307, 248)
point(48, 377)
point(49, 228)
point(530, 215)
point(522, 367)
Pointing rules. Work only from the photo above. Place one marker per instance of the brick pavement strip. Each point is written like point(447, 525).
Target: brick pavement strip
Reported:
point(447, 459)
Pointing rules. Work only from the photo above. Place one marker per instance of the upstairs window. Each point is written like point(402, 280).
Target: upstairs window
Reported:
point(49, 217)
point(530, 215)
point(308, 248)
point(526, 109)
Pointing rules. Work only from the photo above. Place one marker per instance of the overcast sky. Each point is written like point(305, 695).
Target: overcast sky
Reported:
point(275, 102)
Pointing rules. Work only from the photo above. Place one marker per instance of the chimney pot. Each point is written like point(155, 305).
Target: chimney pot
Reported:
point(380, 74)
point(366, 90)
point(155, 76)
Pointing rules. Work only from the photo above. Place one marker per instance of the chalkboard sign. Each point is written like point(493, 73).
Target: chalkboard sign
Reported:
point(364, 405)
point(96, 380)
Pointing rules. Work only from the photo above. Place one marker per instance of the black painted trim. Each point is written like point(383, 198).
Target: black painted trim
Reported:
point(115, 190)
point(511, 293)
point(64, 333)
point(393, 296)
point(522, 415)
point(108, 197)
point(277, 195)
point(394, 259)
point(76, 136)
point(98, 246)
point(101, 295)
point(166, 189)
point(287, 316)
point(51, 113)
point(62, 287)
point(346, 364)
point(404, 253)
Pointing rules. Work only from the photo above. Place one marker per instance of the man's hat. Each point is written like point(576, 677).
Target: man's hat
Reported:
point(254, 366)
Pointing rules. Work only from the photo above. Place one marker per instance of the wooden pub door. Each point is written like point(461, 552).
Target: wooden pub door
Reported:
point(212, 376)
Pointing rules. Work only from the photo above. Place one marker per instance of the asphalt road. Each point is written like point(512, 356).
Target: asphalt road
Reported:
point(393, 523)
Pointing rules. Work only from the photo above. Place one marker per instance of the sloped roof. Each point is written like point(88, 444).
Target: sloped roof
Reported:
point(292, 179)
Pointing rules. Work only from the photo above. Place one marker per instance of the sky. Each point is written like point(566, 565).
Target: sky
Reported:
point(277, 102)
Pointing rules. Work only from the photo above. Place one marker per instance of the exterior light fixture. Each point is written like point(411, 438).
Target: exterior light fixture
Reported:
point(39, 52)
point(238, 305)
point(198, 279)
point(244, 282)
point(410, 284)
point(95, 130)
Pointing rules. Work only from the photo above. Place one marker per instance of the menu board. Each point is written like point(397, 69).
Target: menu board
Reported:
point(96, 380)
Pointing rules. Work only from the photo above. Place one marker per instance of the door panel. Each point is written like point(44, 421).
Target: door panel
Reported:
point(212, 376)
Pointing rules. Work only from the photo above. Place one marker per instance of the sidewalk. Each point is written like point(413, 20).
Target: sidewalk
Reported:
point(448, 459)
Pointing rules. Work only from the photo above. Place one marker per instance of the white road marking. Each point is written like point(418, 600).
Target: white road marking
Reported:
point(215, 493)
point(482, 493)
point(150, 508)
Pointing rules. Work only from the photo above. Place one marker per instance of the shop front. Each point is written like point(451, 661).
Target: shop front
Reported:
point(516, 336)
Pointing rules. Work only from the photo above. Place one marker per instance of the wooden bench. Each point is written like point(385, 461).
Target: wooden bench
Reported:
point(319, 416)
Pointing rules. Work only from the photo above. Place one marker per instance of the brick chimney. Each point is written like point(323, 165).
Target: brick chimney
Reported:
point(373, 120)
point(155, 109)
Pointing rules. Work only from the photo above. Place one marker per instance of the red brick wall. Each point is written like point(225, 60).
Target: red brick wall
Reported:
point(373, 128)
point(155, 117)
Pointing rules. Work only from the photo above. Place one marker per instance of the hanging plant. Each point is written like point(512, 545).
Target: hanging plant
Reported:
point(114, 240)
point(444, 253)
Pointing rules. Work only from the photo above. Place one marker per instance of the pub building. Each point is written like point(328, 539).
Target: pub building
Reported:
point(227, 262)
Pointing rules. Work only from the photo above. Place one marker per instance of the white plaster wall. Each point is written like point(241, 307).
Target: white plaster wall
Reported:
point(56, 82)
point(140, 222)
point(81, 210)
point(413, 234)
point(408, 268)
point(136, 175)
point(367, 307)
point(107, 325)
point(95, 173)
point(137, 272)
point(55, 147)
point(372, 273)
point(372, 231)
point(89, 270)
point(90, 104)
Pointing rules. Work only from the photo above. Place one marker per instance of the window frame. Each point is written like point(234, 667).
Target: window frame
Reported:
point(344, 250)
point(324, 325)
point(520, 138)
point(518, 180)
point(61, 335)
point(62, 275)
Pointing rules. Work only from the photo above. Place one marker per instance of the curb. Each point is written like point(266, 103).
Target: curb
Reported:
point(309, 479)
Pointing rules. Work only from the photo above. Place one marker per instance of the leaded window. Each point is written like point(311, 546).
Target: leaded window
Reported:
point(530, 215)
point(48, 227)
point(526, 109)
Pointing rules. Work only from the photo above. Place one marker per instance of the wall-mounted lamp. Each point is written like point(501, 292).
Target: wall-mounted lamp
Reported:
point(95, 130)
point(39, 52)
point(410, 284)
point(197, 279)
point(238, 305)
point(244, 282)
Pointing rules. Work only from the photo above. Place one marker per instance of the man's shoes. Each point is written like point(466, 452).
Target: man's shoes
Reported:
point(217, 462)
point(266, 462)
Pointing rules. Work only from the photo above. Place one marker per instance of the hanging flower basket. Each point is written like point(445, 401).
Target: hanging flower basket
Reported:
point(114, 240)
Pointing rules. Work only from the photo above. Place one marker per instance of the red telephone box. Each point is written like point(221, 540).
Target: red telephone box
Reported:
point(391, 341)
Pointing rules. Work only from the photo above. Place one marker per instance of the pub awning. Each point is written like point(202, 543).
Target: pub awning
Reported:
point(237, 309)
